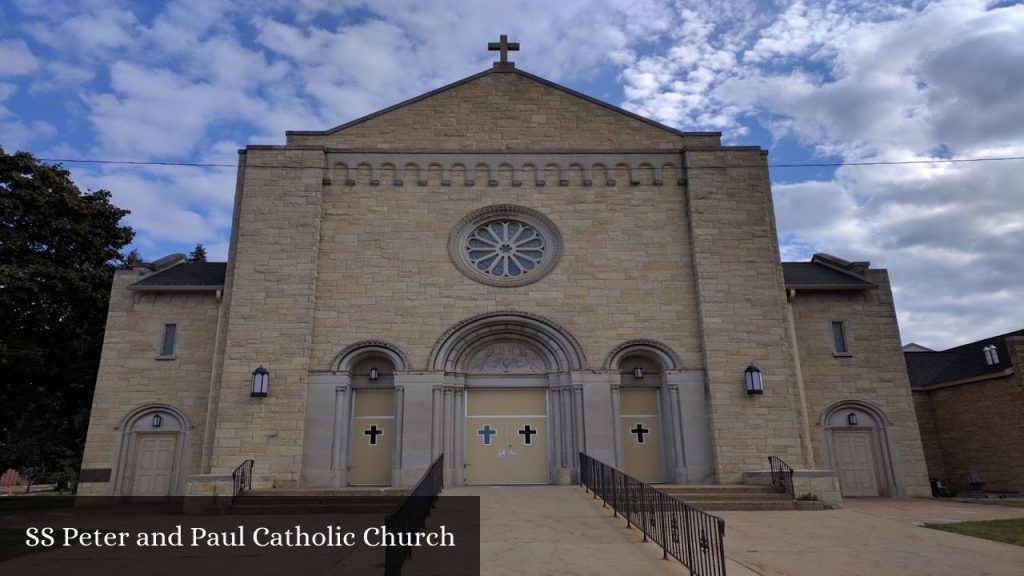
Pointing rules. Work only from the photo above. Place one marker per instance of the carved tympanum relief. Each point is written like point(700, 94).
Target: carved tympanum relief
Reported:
point(507, 358)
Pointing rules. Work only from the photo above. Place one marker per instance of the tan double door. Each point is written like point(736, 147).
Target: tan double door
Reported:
point(506, 437)
point(372, 437)
point(856, 462)
point(640, 430)
point(153, 464)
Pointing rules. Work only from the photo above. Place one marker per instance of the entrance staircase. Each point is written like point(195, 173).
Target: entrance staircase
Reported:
point(724, 497)
point(319, 501)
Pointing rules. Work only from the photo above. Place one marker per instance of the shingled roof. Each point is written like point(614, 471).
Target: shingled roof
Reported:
point(826, 272)
point(965, 362)
point(185, 276)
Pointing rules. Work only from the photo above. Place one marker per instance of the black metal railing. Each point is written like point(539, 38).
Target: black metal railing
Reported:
point(241, 478)
point(411, 515)
point(691, 536)
point(782, 476)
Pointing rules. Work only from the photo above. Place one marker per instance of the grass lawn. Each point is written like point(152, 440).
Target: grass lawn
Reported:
point(1008, 531)
point(1011, 502)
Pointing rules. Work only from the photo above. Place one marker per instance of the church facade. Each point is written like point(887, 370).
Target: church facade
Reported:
point(505, 272)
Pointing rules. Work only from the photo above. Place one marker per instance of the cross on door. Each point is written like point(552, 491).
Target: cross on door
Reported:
point(373, 432)
point(487, 432)
point(639, 431)
point(527, 433)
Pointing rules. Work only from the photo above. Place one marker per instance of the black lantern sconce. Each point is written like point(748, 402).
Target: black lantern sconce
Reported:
point(157, 420)
point(374, 374)
point(851, 418)
point(752, 376)
point(260, 382)
point(638, 373)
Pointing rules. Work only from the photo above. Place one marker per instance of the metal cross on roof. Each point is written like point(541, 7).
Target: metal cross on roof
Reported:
point(504, 46)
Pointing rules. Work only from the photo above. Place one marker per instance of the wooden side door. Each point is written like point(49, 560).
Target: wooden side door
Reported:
point(856, 462)
point(153, 464)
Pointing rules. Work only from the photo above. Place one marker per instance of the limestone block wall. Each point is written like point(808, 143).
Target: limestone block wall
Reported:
point(979, 429)
point(503, 111)
point(130, 375)
point(741, 306)
point(272, 280)
point(874, 372)
point(385, 273)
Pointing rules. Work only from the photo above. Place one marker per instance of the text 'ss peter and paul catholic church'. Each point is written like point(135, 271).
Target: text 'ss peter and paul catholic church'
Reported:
point(506, 272)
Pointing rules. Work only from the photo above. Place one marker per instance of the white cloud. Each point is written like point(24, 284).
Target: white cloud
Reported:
point(16, 58)
point(858, 80)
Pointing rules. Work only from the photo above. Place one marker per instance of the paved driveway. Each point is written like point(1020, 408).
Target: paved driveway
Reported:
point(869, 537)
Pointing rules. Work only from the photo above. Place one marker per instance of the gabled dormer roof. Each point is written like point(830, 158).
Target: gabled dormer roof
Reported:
point(827, 272)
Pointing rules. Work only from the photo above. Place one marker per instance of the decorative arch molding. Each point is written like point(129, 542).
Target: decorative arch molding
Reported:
point(652, 348)
point(458, 344)
point(659, 164)
point(352, 353)
point(133, 416)
point(877, 413)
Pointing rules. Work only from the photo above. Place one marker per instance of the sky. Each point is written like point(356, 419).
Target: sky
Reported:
point(854, 83)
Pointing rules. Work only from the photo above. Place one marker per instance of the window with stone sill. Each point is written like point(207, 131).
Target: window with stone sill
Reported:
point(168, 342)
point(840, 340)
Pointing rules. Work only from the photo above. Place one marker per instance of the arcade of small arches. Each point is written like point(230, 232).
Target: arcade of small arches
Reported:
point(587, 169)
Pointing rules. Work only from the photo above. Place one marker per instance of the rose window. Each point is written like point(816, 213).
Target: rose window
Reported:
point(505, 248)
point(505, 245)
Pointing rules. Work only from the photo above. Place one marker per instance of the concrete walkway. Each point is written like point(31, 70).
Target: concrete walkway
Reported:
point(876, 537)
point(549, 530)
point(561, 530)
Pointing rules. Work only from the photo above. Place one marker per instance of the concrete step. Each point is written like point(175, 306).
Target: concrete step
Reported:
point(319, 501)
point(730, 505)
point(329, 492)
point(716, 489)
point(737, 497)
point(723, 497)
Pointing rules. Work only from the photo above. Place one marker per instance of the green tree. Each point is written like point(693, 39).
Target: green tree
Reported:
point(197, 255)
point(58, 250)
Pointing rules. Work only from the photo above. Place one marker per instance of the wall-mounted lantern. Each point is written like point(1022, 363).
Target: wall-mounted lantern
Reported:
point(851, 418)
point(638, 373)
point(157, 420)
point(374, 374)
point(755, 385)
point(260, 382)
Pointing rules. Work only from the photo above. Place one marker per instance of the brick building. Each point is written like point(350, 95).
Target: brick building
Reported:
point(506, 272)
point(968, 402)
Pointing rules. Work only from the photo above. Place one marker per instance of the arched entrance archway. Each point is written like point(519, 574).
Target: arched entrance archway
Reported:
point(648, 442)
point(339, 425)
point(152, 446)
point(517, 417)
point(857, 448)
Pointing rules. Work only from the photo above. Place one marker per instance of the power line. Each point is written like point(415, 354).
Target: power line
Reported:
point(799, 165)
